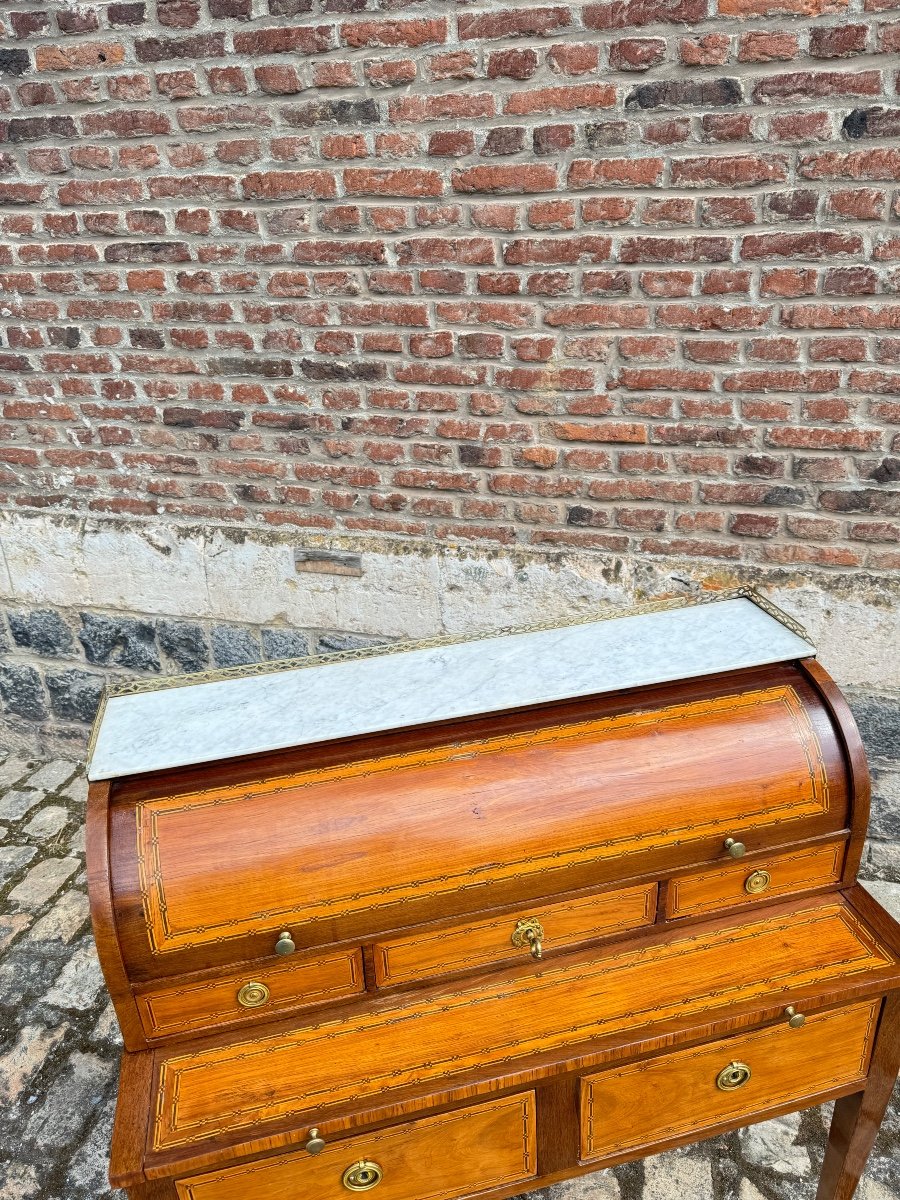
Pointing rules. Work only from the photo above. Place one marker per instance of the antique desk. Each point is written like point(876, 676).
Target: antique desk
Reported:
point(470, 918)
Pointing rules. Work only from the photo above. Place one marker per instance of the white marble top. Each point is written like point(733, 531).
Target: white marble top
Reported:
point(225, 718)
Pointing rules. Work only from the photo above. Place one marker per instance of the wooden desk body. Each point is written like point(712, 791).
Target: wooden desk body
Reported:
point(487, 954)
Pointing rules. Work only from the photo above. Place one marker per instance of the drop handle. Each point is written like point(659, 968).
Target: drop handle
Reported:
point(530, 932)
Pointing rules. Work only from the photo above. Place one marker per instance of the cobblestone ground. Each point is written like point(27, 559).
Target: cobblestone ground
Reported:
point(59, 1042)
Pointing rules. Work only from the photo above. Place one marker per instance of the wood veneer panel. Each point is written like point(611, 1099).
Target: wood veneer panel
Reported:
point(223, 1089)
point(437, 1158)
point(723, 887)
point(297, 983)
point(364, 835)
point(633, 1106)
point(476, 944)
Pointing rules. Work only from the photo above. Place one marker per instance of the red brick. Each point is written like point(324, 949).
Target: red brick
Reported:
point(526, 21)
point(512, 64)
point(561, 99)
point(415, 32)
point(365, 181)
point(573, 58)
point(637, 54)
point(708, 50)
point(522, 178)
point(289, 185)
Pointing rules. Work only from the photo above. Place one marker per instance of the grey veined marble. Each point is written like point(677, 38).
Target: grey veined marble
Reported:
point(210, 720)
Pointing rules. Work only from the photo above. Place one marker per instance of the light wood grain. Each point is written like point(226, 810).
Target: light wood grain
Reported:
point(474, 944)
point(630, 1107)
point(293, 984)
point(438, 1158)
point(725, 887)
point(233, 1086)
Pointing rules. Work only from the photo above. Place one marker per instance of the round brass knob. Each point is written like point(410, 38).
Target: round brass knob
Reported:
point(253, 995)
point(735, 849)
point(316, 1144)
point(285, 943)
point(734, 1076)
point(796, 1020)
point(757, 883)
point(362, 1176)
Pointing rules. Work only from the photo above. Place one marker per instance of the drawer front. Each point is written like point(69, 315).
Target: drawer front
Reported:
point(627, 1108)
point(760, 879)
point(480, 943)
point(471, 1150)
point(264, 990)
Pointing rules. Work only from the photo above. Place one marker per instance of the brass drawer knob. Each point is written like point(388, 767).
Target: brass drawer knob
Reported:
point(796, 1020)
point(316, 1144)
point(285, 943)
point(734, 1076)
point(757, 883)
point(735, 849)
point(362, 1176)
point(253, 995)
point(530, 932)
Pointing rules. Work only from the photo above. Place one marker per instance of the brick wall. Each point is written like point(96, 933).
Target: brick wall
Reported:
point(617, 276)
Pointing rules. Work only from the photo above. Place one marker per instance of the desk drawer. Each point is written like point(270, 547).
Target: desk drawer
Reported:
point(474, 944)
point(265, 990)
point(674, 1095)
point(760, 879)
point(458, 1153)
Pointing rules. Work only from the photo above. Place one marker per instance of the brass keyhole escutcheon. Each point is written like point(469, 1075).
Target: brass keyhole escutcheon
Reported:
point(253, 995)
point(734, 1076)
point(362, 1176)
point(757, 883)
point(529, 932)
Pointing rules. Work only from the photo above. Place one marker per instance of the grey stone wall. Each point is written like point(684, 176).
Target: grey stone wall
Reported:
point(54, 662)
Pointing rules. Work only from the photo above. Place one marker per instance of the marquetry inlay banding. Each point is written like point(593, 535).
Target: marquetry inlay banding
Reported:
point(749, 760)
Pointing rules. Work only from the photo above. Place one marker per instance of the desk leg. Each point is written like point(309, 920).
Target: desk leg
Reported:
point(858, 1118)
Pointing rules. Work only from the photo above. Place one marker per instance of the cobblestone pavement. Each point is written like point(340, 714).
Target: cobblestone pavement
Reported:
point(59, 1041)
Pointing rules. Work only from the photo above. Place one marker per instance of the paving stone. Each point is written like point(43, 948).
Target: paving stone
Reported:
point(672, 1175)
point(12, 770)
point(43, 881)
point(52, 775)
point(332, 643)
point(15, 804)
point(11, 926)
point(107, 1027)
point(602, 1185)
point(88, 1169)
point(64, 919)
point(749, 1192)
point(79, 982)
point(19, 1181)
point(887, 895)
point(870, 1189)
point(71, 1100)
point(882, 861)
point(46, 823)
point(773, 1145)
point(76, 790)
point(25, 1057)
point(13, 859)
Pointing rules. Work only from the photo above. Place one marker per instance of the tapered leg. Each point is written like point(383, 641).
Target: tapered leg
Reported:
point(857, 1118)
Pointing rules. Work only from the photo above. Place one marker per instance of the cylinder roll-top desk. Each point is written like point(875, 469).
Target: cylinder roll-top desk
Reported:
point(468, 918)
